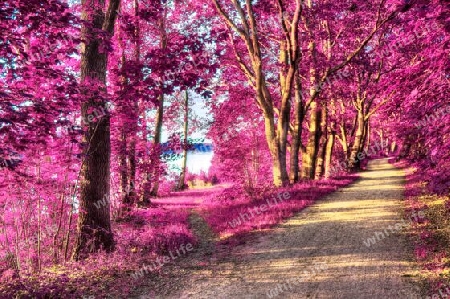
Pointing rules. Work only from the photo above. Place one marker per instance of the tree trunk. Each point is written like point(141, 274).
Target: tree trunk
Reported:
point(322, 143)
point(123, 144)
point(309, 158)
point(365, 137)
point(94, 224)
point(134, 126)
point(156, 154)
point(272, 142)
point(296, 133)
point(123, 166)
point(368, 136)
point(182, 183)
point(353, 162)
point(159, 119)
point(330, 141)
point(329, 153)
point(283, 129)
point(285, 111)
point(146, 179)
point(344, 139)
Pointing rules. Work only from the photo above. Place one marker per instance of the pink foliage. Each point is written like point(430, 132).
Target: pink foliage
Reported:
point(226, 208)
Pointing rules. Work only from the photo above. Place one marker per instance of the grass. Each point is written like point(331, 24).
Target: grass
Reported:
point(231, 218)
point(432, 236)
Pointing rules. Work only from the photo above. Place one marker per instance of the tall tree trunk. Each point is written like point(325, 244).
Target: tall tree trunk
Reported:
point(123, 142)
point(296, 133)
point(135, 113)
point(156, 153)
point(94, 224)
point(309, 158)
point(147, 183)
point(159, 118)
point(285, 111)
point(182, 182)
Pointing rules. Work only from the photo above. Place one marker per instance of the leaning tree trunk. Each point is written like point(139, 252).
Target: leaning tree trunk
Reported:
point(94, 224)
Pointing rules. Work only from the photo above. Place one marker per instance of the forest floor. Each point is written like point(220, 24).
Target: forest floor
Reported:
point(354, 243)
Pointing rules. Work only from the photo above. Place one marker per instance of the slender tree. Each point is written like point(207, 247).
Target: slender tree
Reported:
point(182, 182)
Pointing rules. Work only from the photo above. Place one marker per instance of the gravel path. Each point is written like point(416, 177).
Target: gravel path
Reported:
point(321, 252)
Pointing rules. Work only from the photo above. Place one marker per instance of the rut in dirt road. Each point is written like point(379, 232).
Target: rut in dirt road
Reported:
point(351, 244)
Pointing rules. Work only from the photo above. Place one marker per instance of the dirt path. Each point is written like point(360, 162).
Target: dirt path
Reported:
point(327, 241)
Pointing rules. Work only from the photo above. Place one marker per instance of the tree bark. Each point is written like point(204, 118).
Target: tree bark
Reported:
point(353, 162)
point(94, 224)
point(135, 114)
point(329, 153)
point(272, 142)
point(159, 118)
point(296, 133)
point(285, 111)
point(309, 158)
point(323, 140)
point(330, 141)
point(123, 143)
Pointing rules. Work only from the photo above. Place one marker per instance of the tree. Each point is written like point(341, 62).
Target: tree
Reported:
point(182, 181)
point(94, 227)
point(252, 65)
point(160, 110)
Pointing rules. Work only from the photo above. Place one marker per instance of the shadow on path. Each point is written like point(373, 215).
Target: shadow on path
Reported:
point(331, 234)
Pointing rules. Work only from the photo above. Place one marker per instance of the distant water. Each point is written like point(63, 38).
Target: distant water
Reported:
point(198, 159)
